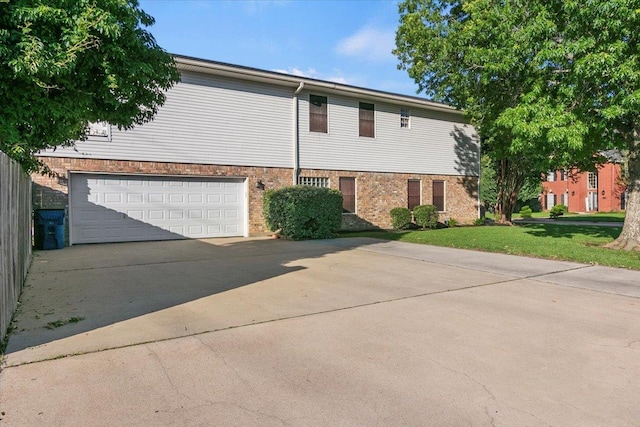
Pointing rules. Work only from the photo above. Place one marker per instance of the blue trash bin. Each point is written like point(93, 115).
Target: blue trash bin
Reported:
point(49, 229)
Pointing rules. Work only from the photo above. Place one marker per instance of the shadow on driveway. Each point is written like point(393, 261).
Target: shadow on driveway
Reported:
point(110, 283)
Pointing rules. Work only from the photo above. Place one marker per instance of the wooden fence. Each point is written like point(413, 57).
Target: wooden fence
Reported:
point(15, 237)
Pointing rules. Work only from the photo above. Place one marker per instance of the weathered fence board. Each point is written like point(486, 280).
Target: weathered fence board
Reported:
point(15, 237)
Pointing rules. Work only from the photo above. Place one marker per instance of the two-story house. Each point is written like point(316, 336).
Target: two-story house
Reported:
point(226, 133)
point(602, 190)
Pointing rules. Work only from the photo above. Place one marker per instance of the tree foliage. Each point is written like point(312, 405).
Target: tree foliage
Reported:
point(64, 63)
point(548, 83)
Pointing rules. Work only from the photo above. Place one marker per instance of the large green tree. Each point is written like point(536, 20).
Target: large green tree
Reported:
point(548, 83)
point(64, 63)
point(478, 65)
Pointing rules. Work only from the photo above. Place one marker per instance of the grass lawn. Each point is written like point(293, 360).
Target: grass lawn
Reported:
point(561, 242)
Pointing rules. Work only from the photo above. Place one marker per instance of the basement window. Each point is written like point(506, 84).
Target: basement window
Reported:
point(313, 181)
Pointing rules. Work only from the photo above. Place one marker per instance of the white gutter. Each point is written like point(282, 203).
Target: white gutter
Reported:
point(296, 135)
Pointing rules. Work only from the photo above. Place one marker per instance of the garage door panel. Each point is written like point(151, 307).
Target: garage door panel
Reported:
point(195, 198)
point(137, 215)
point(156, 214)
point(230, 228)
point(176, 198)
point(114, 208)
point(135, 198)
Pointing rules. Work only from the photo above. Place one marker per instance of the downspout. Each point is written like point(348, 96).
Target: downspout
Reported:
point(296, 135)
point(479, 176)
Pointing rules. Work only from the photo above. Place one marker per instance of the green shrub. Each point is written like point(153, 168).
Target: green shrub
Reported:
point(557, 211)
point(400, 218)
point(452, 222)
point(479, 221)
point(426, 216)
point(303, 212)
point(525, 212)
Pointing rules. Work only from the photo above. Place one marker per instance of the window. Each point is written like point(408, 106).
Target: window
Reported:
point(313, 181)
point(551, 176)
point(405, 117)
point(367, 120)
point(438, 195)
point(565, 175)
point(100, 129)
point(592, 179)
point(317, 113)
point(413, 193)
point(348, 189)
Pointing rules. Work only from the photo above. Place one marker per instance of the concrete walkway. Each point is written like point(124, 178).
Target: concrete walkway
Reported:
point(338, 332)
point(567, 222)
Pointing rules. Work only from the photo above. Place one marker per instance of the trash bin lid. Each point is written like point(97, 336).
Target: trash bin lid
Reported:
point(50, 214)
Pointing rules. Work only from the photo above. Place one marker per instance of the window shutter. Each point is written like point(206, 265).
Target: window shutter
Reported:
point(367, 120)
point(317, 113)
point(348, 190)
point(438, 195)
point(413, 193)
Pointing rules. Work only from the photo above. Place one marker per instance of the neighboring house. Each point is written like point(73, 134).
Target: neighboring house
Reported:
point(601, 190)
point(226, 133)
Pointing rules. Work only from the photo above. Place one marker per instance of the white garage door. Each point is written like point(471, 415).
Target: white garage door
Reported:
point(126, 208)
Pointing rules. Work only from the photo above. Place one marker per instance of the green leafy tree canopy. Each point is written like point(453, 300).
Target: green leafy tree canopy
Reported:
point(548, 83)
point(64, 63)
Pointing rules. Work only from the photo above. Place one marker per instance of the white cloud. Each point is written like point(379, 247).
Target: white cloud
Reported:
point(370, 43)
point(295, 71)
point(336, 76)
point(340, 80)
point(257, 6)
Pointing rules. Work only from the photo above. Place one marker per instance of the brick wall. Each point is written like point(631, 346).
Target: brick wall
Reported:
point(52, 192)
point(609, 192)
point(377, 193)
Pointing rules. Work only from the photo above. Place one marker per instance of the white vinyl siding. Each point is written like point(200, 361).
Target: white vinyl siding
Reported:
point(206, 121)
point(436, 143)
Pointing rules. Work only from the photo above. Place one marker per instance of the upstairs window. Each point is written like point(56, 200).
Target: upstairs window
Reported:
point(100, 130)
point(551, 176)
point(405, 118)
point(564, 175)
point(438, 195)
point(317, 113)
point(367, 120)
point(592, 179)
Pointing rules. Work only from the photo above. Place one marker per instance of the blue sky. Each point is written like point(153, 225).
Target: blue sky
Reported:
point(347, 41)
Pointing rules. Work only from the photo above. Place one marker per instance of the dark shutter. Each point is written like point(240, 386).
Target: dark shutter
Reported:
point(367, 121)
point(317, 113)
point(438, 195)
point(348, 189)
point(413, 193)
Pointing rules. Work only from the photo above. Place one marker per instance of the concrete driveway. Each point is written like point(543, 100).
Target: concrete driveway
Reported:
point(346, 332)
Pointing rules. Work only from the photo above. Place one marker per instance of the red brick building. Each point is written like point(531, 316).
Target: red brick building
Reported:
point(600, 191)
